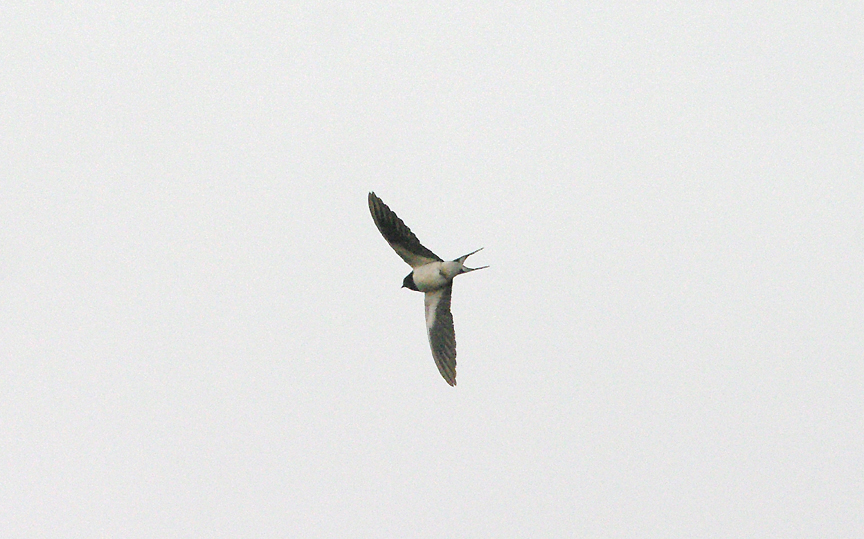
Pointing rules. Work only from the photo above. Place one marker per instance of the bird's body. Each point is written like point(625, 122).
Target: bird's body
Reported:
point(430, 275)
point(435, 275)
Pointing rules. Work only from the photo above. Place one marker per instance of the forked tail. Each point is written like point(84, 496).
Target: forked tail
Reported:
point(462, 259)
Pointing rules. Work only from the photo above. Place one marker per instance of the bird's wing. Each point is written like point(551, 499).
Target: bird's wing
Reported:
point(398, 235)
point(442, 336)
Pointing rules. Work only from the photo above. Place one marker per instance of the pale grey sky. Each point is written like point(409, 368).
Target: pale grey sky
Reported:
point(203, 333)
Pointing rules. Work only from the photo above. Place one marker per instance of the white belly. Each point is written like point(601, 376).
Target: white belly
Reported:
point(435, 275)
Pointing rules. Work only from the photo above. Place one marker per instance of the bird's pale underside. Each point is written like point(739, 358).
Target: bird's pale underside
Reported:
point(432, 276)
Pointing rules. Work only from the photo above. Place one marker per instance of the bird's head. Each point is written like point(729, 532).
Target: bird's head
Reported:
point(408, 282)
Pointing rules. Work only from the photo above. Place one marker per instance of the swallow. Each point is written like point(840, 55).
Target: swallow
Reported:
point(430, 275)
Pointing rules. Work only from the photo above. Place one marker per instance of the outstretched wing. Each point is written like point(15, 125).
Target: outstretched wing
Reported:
point(442, 336)
point(398, 235)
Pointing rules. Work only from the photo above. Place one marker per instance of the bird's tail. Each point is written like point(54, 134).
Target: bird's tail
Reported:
point(462, 259)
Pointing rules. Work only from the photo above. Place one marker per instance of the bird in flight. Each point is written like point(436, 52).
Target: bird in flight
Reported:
point(430, 275)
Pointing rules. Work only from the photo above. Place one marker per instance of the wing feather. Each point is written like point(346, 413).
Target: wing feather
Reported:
point(442, 335)
point(398, 235)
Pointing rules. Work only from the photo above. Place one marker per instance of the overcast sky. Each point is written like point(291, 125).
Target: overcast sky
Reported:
point(203, 333)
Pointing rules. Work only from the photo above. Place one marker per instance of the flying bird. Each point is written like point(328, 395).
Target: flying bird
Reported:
point(430, 275)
